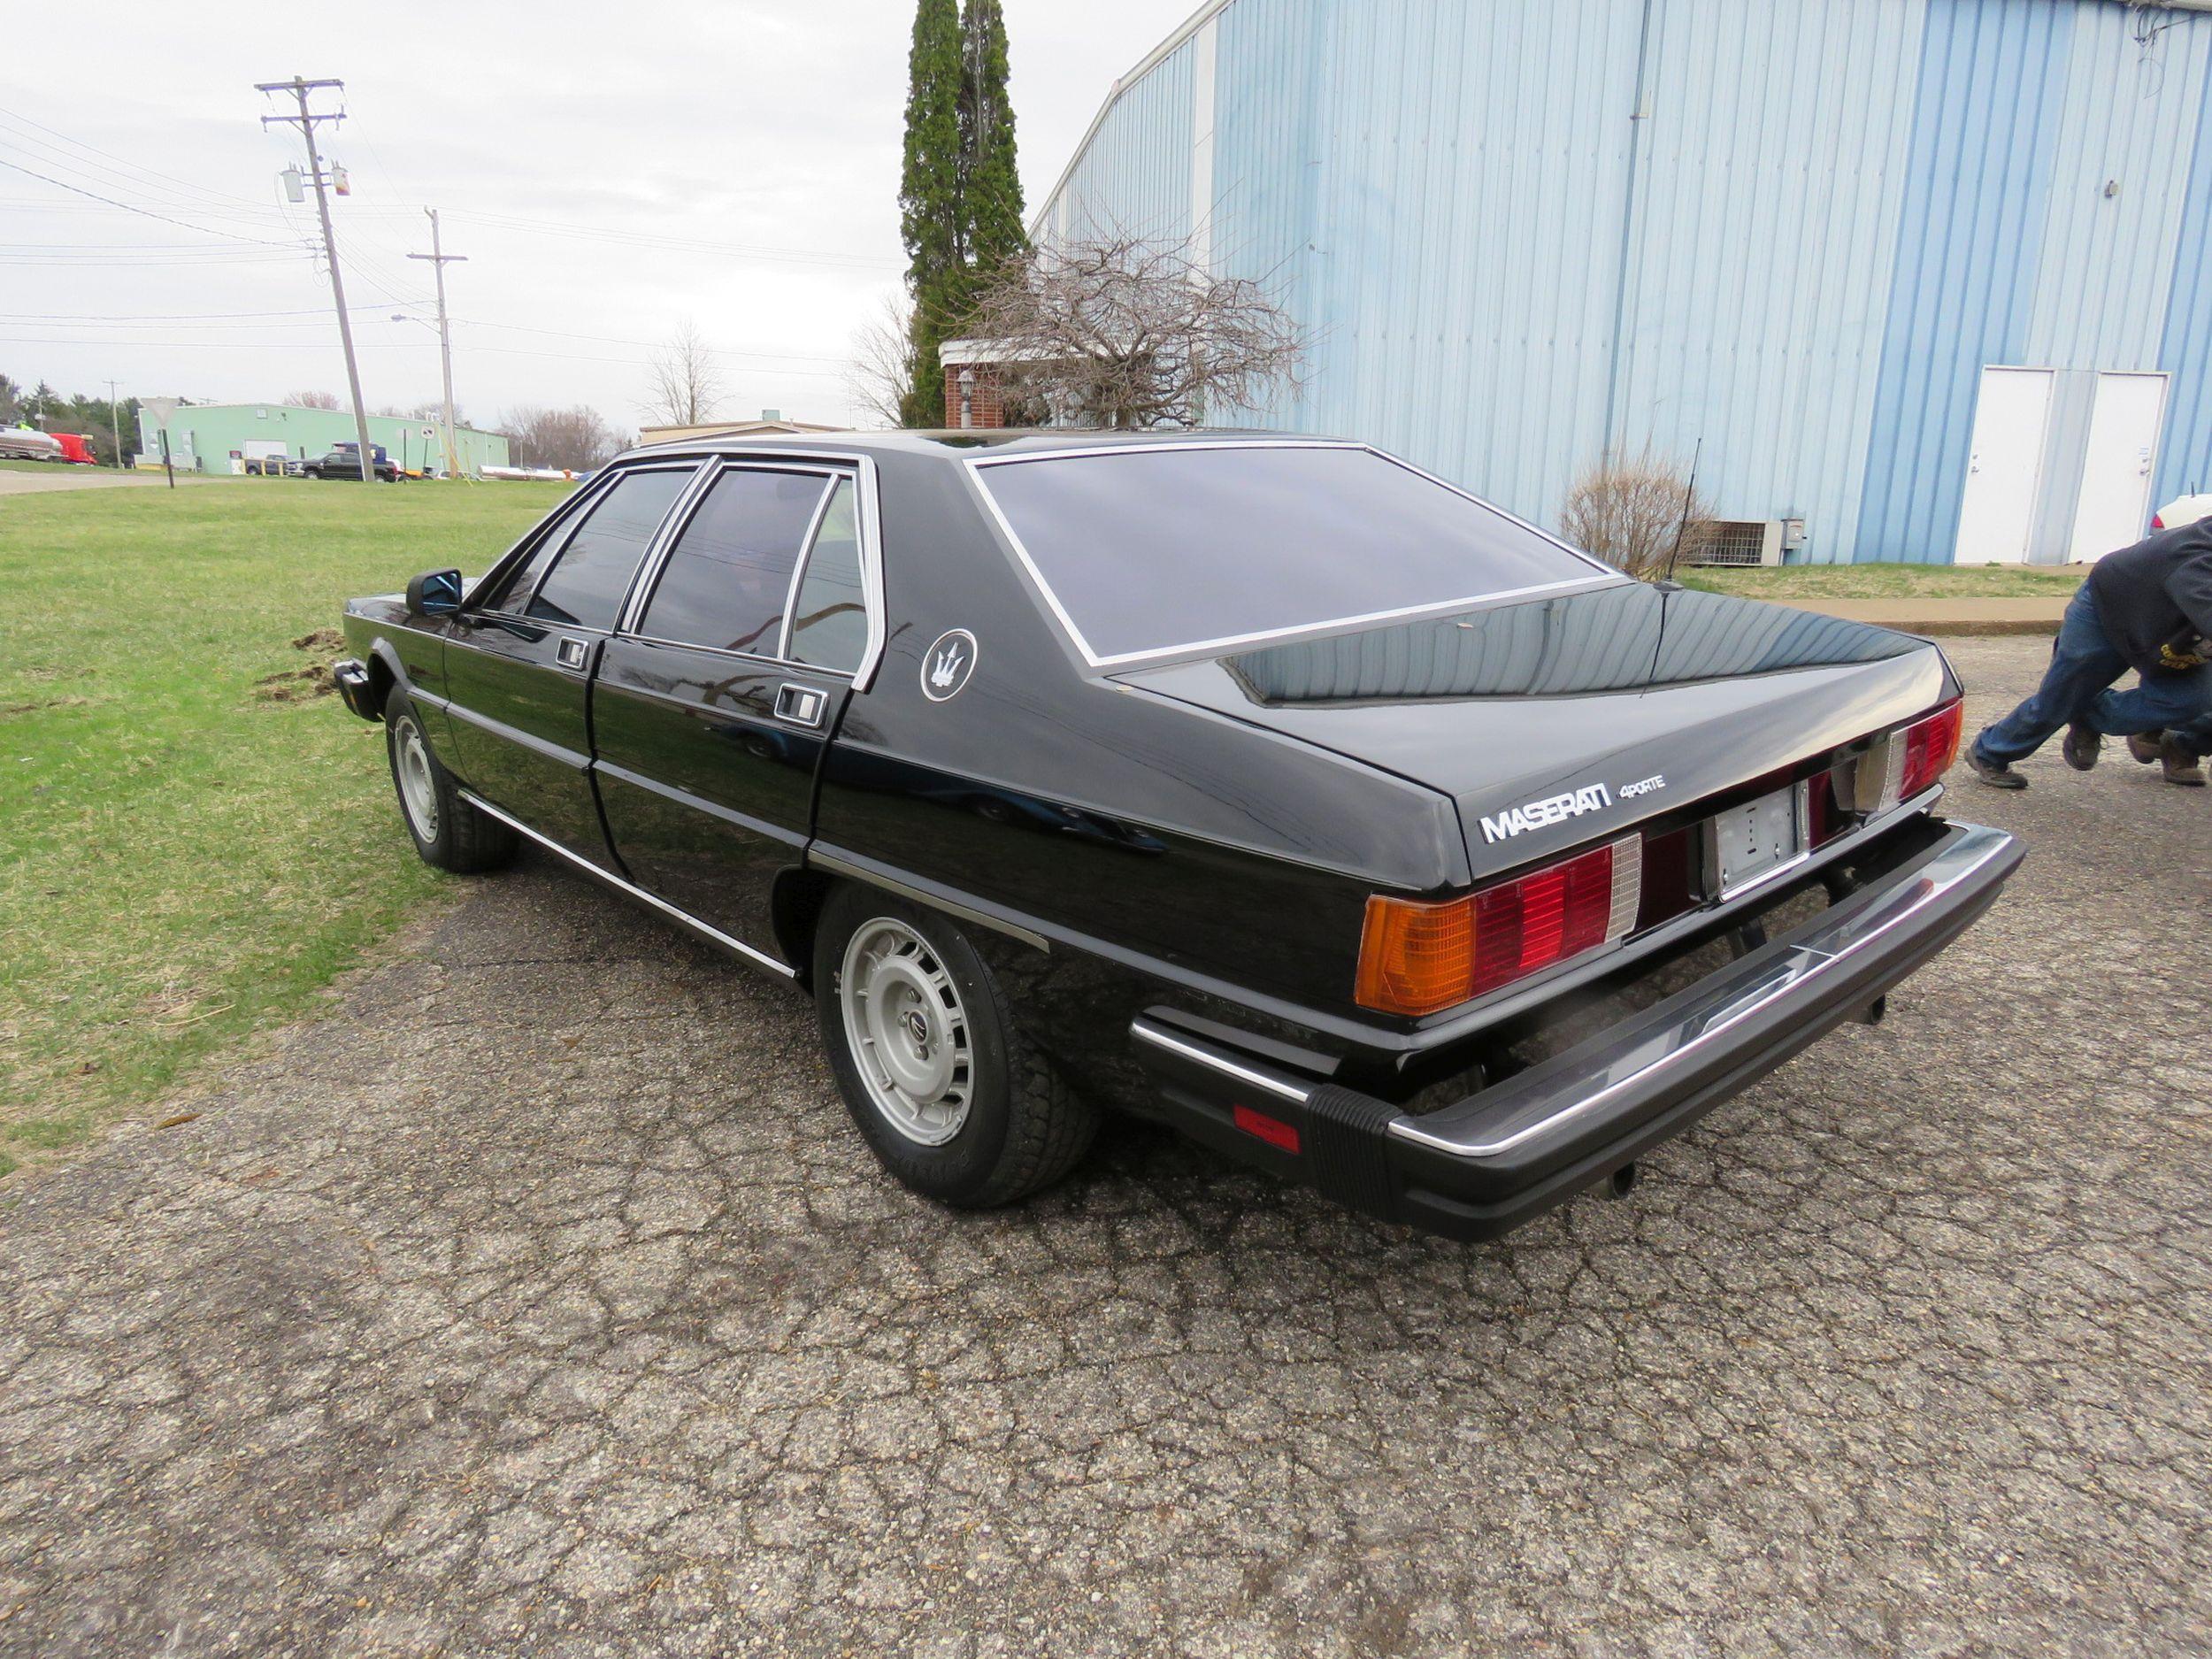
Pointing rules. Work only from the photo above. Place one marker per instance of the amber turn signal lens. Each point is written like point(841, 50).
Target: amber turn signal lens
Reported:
point(1414, 958)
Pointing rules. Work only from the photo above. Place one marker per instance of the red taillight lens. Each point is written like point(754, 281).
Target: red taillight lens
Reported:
point(1930, 745)
point(1416, 959)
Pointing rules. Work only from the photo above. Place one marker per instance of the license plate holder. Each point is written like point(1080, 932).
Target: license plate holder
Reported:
point(1755, 841)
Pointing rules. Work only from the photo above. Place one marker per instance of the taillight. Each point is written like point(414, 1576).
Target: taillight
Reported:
point(1902, 764)
point(1930, 745)
point(2158, 521)
point(1417, 957)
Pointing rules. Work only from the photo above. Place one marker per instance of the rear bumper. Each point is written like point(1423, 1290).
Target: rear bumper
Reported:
point(352, 677)
point(1484, 1164)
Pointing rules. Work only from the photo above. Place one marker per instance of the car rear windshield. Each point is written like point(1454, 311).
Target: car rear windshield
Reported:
point(1158, 550)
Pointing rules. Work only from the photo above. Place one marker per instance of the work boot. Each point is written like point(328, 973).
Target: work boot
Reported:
point(2145, 747)
point(2180, 764)
point(1995, 773)
point(2081, 747)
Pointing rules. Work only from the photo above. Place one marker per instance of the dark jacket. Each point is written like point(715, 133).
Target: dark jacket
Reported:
point(2154, 599)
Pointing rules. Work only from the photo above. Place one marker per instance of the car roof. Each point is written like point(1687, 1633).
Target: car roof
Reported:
point(951, 445)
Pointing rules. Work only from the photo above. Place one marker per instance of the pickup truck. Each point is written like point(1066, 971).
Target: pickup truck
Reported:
point(346, 464)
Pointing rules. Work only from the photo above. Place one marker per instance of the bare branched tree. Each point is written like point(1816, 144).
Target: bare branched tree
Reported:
point(682, 385)
point(575, 440)
point(1632, 513)
point(312, 399)
point(1129, 331)
point(882, 362)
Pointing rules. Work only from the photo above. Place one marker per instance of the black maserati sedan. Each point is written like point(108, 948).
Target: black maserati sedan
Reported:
point(1265, 785)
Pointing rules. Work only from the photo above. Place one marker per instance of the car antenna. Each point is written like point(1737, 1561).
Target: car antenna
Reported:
point(1689, 494)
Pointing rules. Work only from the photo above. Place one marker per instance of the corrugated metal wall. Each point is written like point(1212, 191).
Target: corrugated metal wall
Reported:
point(1136, 174)
point(1841, 210)
point(1761, 257)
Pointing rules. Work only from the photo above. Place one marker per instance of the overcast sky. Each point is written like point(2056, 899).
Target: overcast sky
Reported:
point(609, 172)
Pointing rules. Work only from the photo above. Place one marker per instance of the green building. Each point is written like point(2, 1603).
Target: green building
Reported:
point(221, 438)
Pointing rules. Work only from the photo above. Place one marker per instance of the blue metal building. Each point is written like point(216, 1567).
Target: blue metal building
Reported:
point(1926, 275)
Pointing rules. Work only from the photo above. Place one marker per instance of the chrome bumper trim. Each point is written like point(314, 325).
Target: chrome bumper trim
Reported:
point(1256, 1073)
point(1757, 983)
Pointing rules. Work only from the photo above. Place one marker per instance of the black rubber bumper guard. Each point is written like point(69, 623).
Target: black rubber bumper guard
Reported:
point(352, 676)
point(1483, 1165)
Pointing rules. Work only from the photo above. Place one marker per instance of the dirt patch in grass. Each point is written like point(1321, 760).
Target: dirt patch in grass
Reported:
point(198, 838)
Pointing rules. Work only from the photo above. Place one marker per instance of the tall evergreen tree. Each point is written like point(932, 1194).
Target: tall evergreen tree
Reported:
point(960, 196)
point(990, 185)
point(929, 199)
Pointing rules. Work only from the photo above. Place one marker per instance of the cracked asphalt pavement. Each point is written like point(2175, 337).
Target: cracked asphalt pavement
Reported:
point(539, 1300)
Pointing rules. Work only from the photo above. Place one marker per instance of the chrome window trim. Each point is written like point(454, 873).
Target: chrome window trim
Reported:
point(862, 469)
point(976, 466)
point(613, 476)
point(799, 565)
point(798, 581)
point(631, 890)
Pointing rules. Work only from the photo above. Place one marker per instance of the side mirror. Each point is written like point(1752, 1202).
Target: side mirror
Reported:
point(434, 593)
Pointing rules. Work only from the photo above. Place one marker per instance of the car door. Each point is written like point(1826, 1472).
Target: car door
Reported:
point(518, 671)
point(712, 705)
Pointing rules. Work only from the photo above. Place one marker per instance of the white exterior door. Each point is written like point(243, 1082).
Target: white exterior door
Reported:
point(2011, 418)
point(2116, 469)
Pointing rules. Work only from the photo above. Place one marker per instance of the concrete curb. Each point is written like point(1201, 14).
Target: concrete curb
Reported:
point(1953, 617)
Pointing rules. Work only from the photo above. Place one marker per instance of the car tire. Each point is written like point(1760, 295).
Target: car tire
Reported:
point(882, 965)
point(448, 832)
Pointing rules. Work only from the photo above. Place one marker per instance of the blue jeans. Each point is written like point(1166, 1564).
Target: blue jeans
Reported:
point(2077, 686)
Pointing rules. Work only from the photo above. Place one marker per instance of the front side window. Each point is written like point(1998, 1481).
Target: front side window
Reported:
point(1156, 550)
point(728, 576)
point(592, 571)
point(829, 624)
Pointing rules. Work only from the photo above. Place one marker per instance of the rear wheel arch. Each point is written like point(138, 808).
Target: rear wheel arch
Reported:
point(794, 910)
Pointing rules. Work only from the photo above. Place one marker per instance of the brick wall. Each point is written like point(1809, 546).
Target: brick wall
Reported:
point(984, 407)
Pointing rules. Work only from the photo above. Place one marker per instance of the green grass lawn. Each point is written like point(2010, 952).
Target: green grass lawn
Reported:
point(194, 838)
point(1887, 581)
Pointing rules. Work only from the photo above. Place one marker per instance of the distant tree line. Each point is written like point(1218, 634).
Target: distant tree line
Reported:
point(43, 407)
point(575, 440)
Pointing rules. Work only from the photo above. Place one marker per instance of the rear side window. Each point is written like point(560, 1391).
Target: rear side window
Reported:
point(728, 577)
point(829, 624)
point(584, 587)
point(1156, 551)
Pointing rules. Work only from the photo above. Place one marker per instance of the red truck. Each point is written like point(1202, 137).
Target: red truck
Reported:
point(76, 447)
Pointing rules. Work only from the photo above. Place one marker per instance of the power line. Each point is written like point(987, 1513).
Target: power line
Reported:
point(78, 144)
point(128, 208)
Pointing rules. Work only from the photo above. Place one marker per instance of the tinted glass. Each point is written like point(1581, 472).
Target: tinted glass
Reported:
point(585, 584)
point(729, 574)
point(829, 627)
point(1163, 549)
point(516, 589)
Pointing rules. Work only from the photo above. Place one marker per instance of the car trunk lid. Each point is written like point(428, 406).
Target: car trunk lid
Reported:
point(1556, 721)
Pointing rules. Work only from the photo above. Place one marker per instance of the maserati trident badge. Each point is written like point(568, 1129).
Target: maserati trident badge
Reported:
point(947, 664)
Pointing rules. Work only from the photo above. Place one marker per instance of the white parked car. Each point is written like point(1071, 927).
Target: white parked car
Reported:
point(2180, 510)
point(22, 444)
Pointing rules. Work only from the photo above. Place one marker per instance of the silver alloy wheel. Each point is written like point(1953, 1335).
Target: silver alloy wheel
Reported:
point(418, 789)
point(907, 1031)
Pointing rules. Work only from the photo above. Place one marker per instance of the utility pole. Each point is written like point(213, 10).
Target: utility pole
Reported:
point(115, 426)
point(439, 259)
point(305, 121)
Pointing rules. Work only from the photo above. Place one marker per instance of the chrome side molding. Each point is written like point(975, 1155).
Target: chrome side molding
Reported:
point(629, 889)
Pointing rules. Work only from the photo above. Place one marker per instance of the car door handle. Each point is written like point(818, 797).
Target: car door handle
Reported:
point(801, 706)
point(571, 653)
